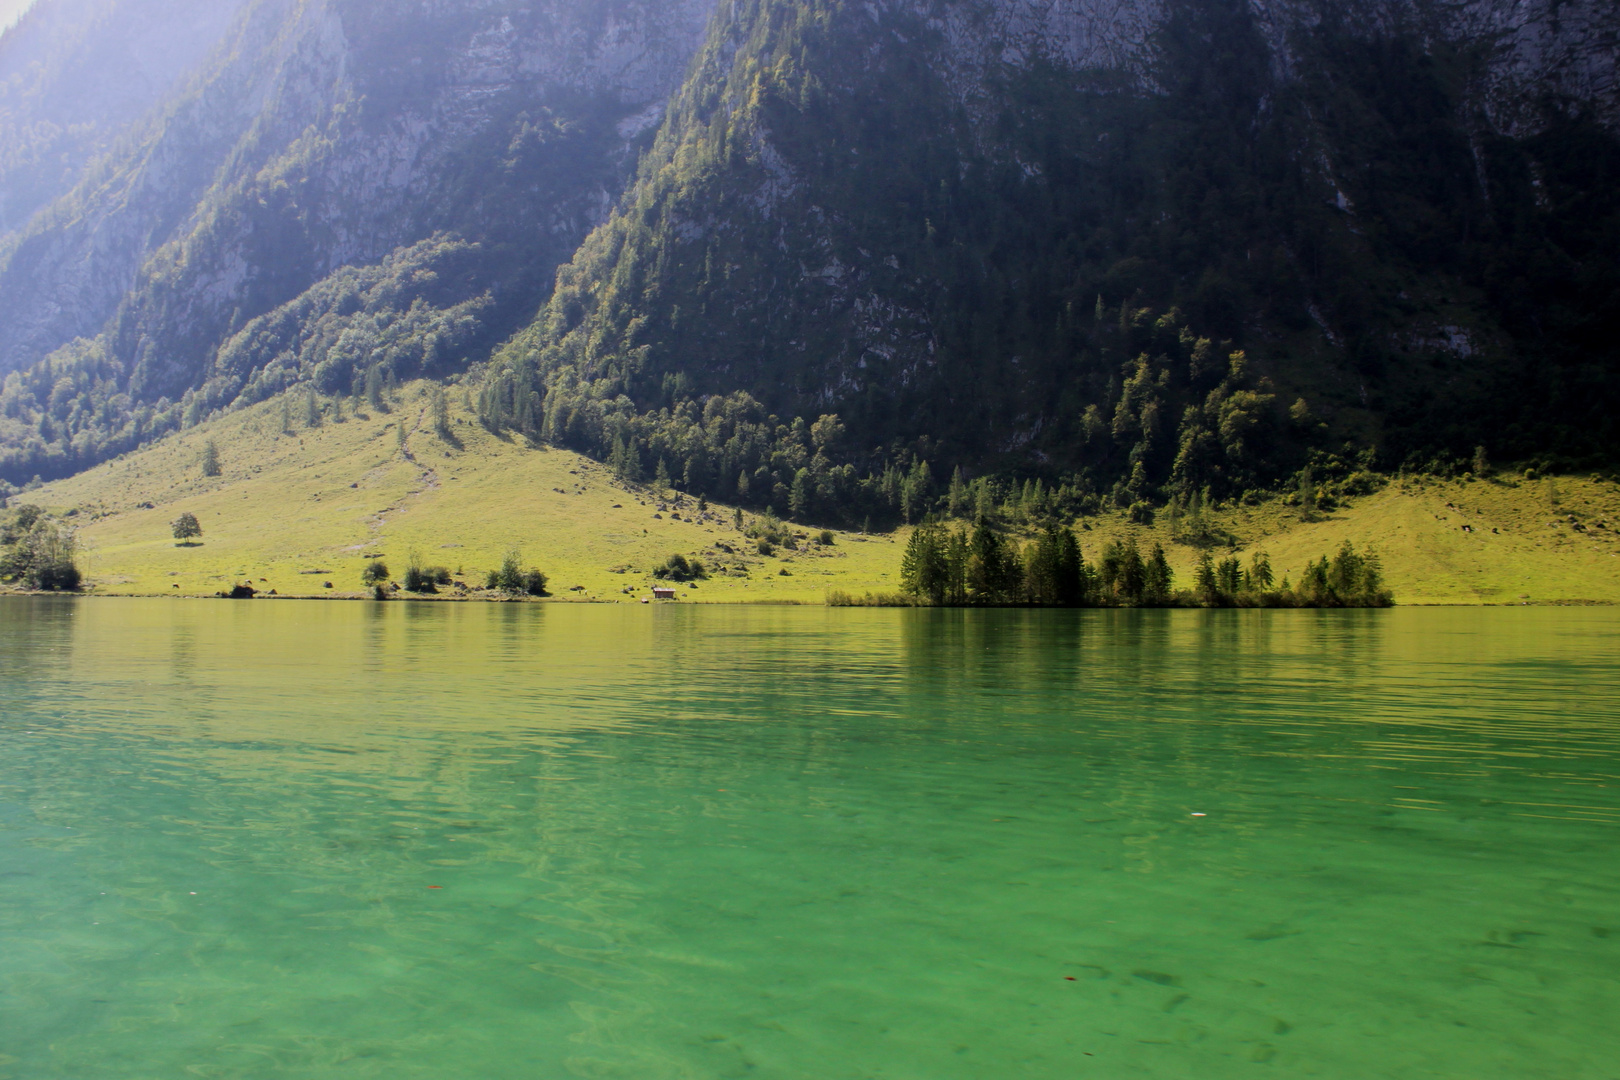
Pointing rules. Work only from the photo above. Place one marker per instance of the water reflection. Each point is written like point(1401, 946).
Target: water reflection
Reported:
point(426, 840)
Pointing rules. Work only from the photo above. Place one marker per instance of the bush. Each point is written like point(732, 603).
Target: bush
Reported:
point(509, 578)
point(1141, 513)
point(513, 580)
point(425, 579)
point(680, 568)
point(418, 580)
point(838, 598)
point(54, 577)
point(769, 530)
point(826, 538)
point(375, 573)
point(45, 558)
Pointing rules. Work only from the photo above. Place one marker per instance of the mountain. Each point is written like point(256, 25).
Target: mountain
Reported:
point(827, 255)
point(1147, 250)
point(347, 174)
point(75, 75)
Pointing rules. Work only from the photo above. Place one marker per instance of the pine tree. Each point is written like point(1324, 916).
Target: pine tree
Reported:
point(914, 491)
point(1206, 583)
point(1132, 572)
point(984, 500)
point(1041, 570)
point(1071, 570)
point(1260, 578)
point(312, 409)
point(956, 565)
point(799, 498)
point(441, 413)
point(994, 575)
point(210, 459)
point(1159, 579)
point(958, 497)
point(925, 569)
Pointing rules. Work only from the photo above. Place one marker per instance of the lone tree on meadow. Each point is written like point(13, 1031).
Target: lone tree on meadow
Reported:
point(186, 528)
point(210, 459)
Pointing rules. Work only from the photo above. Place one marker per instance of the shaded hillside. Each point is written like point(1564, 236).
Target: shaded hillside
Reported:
point(1141, 251)
point(999, 243)
point(334, 133)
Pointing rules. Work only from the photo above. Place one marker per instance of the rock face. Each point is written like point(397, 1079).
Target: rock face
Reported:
point(927, 217)
point(892, 209)
point(75, 75)
point(331, 133)
point(1528, 49)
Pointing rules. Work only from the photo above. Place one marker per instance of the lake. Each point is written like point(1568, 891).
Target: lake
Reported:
point(281, 839)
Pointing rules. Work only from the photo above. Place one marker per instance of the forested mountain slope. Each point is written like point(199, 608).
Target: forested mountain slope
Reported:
point(450, 154)
point(1147, 248)
point(1137, 248)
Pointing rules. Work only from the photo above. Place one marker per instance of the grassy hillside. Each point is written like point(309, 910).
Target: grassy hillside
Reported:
point(294, 511)
point(1521, 547)
point(328, 498)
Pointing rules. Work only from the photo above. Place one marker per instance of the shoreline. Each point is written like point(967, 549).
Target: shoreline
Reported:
point(94, 594)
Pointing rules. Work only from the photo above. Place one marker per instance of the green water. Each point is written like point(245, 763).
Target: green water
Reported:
point(474, 841)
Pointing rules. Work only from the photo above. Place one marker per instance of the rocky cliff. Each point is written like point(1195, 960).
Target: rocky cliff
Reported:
point(76, 75)
point(1011, 235)
point(958, 224)
point(328, 134)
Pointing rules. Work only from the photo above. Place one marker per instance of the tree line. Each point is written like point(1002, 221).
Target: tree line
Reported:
point(985, 566)
point(39, 553)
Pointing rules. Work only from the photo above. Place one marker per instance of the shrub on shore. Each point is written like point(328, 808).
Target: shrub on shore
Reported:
point(513, 580)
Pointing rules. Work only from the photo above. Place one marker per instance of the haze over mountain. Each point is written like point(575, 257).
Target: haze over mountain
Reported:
point(11, 11)
point(1139, 249)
